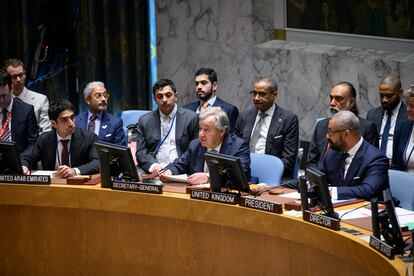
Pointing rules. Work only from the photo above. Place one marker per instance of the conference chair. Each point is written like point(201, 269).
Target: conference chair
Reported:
point(402, 188)
point(130, 117)
point(267, 168)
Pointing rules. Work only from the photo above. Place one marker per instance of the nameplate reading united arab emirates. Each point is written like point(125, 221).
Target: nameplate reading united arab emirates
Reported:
point(262, 205)
point(25, 179)
point(321, 220)
point(381, 247)
point(215, 197)
point(137, 187)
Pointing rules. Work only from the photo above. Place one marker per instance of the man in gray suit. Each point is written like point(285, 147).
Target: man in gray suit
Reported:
point(15, 68)
point(391, 112)
point(165, 133)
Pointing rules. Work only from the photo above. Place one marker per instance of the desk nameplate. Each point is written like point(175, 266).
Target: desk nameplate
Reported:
point(140, 187)
point(262, 205)
point(321, 220)
point(215, 197)
point(25, 179)
point(382, 247)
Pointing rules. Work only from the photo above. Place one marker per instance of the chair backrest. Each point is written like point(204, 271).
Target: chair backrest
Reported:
point(268, 168)
point(130, 117)
point(402, 188)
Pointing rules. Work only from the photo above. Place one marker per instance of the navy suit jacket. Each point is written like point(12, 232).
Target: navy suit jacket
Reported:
point(282, 138)
point(149, 135)
point(401, 140)
point(192, 160)
point(319, 143)
point(82, 152)
point(111, 130)
point(375, 115)
point(24, 128)
point(231, 110)
point(367, 175)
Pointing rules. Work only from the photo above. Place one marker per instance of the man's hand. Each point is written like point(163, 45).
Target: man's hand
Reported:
point(163, 178)
point(156, 168)
point(197, 178)
point(26, 171)
point(66, 172)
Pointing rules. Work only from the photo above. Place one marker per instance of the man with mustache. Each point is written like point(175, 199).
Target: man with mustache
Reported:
point(354, 168)
point(165, 133)
point(106, 126)
point(67, 149)
point(388, 116)
point(206, 87)
point(16, 70)
point(343, 97)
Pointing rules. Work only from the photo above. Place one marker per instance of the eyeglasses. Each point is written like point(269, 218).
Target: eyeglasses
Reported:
point(100, 95)
point(20, 75)
point(261, 94)
point(330, 132)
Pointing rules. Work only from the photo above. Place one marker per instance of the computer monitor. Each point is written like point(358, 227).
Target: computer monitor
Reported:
point(9, 159)
point(319, 184)
point(226, 171)
point(116, 163)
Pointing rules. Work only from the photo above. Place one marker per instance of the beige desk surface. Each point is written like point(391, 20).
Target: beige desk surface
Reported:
point(86, 230)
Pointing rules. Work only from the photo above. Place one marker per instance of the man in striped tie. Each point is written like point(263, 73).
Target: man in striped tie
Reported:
point(17, 119)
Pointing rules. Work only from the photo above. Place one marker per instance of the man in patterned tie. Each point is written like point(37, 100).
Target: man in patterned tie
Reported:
point(354, 168)
point(67, 149)
point(17, 119)
point(106, 126)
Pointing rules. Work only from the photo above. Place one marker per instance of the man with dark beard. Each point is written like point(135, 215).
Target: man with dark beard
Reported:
point(206, 87)
point(354, 168)
point(343, 97)
point(391, 112)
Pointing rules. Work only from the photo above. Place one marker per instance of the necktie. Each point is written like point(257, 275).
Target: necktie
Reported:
point(5, 130)
point(256, 132)
point(385, 133)
point(65, 152)
point(206, 170)
point(204, 106)
point(341, 168)
point(91, 125)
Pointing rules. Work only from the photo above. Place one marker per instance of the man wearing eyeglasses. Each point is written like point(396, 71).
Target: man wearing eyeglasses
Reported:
point(106, 126)
point(268, 128)
point(342, 97)
point(17, 119)
point(15, 68)
point(354, 167)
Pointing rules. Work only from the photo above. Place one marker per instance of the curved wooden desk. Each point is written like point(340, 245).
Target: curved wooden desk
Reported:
point(68, 230)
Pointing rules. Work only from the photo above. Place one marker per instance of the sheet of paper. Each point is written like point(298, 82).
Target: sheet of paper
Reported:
point(177, 178)
point(294, 195)
point(40, 172)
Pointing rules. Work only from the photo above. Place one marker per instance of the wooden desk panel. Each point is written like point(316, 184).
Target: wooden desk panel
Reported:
point(68, 230)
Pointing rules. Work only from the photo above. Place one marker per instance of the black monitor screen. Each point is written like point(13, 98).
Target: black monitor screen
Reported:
point(226, 172)
point(116, 162)
point(9, 159)
point(319, 184)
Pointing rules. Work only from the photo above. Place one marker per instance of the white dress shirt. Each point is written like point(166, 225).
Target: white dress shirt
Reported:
point(392, 129)
point(261, 142)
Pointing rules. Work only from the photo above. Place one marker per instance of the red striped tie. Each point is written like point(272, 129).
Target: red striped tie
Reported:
point(5, 130)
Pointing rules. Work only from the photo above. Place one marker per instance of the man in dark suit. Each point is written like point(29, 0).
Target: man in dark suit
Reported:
point(17, 118)
point(165, 133)
point(354, 167)
point(388, 116)
point(277, 133)
point(97, 120)
point(206, 87)
point(213, 136)
point(343, 97)
point(67, 149)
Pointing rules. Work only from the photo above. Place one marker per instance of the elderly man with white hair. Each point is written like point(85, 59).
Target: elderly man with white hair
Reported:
point(353, 166)
point(106, 126)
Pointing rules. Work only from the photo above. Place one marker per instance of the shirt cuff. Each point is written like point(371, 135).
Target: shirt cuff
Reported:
point(334, 192)
point(77, 171)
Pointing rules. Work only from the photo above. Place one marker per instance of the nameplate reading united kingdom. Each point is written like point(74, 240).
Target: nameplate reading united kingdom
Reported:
point(321, 220)
point(140, 187)
point(262, 205)
point(382, 247)
point(25, 179)
point(215, 197)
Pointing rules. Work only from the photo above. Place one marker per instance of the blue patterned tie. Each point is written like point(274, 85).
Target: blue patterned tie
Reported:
point(386, 132)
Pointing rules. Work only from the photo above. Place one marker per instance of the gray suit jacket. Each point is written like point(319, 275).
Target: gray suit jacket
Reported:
point(149, 135)
point(41, 105)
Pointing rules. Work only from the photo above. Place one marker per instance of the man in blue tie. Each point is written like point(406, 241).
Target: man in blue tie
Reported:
point(391, 112)
point(106, 126)
point(354, 168)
